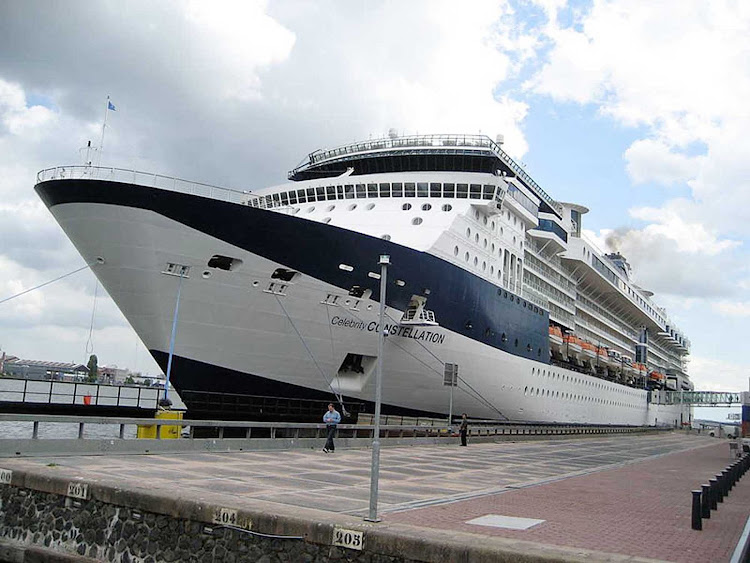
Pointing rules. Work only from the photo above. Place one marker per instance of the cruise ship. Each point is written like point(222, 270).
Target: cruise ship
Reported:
point(269, 298)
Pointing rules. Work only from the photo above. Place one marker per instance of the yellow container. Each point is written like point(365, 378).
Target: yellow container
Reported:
point(167, 432)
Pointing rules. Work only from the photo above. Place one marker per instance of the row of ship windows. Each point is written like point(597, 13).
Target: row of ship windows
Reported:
point(476, 239)
point(580, 381)
point(537, 392)
point(467, 258)
point(357, 191)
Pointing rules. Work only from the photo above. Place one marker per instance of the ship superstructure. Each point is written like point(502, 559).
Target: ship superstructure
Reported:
point(490, 274)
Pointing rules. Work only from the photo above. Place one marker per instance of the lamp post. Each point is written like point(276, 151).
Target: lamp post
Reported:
point(372, 515)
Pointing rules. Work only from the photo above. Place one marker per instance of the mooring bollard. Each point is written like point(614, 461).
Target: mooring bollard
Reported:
point(720, 487)
point(727, 482)
point(714, 492)
point(705, 501)
point(697, 522)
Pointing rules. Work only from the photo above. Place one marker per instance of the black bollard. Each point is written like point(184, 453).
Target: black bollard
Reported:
point(720, 487)
point(714, 492)
point(727, 482)
point(705, 501)
point(696, 516)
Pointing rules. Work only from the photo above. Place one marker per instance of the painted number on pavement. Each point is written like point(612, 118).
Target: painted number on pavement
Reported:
point(226, 516)
point(352, 539)
point(78, 490)
point(5, 476)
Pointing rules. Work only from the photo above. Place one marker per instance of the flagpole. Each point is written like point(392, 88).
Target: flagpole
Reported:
point(104, 126)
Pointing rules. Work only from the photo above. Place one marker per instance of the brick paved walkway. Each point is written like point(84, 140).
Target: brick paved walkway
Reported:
point(641, 510)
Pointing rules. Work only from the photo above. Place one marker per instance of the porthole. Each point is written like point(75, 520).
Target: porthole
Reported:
point(385, 237)
point(256, 283)
point(505, 294)
point(206, 274)
point(492, 225)
point(327, 220)
point(476, 214)
point(311, 209)
point(468, 233)
point(485, 243)
point(447, 207)
point(492, 270)
point(503, 338)
point(484, 220)
point(484, 266)
point(330, 208)
point(416, 221)
point(455, 251)
point(476, 260)
point(514, 240)
point(516, 343)
point(502, 232)
point(466, 256)
point(426, 207)
point(295, 210)
point(492, 248)
point(469, 325)
point(406, 206)
point(352, 207)
point(476, 238)
point(370, 206)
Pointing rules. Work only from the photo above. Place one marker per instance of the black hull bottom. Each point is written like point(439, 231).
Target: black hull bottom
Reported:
point(216, 393)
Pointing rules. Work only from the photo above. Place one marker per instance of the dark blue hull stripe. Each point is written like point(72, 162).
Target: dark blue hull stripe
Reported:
point(463, 302)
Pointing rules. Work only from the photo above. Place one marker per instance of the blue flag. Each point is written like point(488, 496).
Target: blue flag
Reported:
point(111, 106)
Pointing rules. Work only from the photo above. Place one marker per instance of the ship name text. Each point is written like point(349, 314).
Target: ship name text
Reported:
point(415, 333)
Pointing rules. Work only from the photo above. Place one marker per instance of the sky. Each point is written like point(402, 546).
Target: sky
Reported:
point(617, 105)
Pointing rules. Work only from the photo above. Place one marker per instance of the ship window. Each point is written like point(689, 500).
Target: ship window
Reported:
point(488, 192)
point(372, 190)
point(361, 191)
point(352, 207)
point(476, 260)
point(466, 256)
point(349, 191)
point(330, 208)
point(301, 196)
point(346, 267)
point(386, 237)
point(503, 338)
point(468, 232)
point(538, 352)
point(311, 209)
point(330, 192)
point(462, 191)
point(224, 262)
point(426, 207)
point(406, 206)
point(416, 221)
point(455, 251)
point(370, 206)
point(447, 207)
point(284, 275)
point(435, 189)
point(409, 189)
point(285, 198)
point(516, 342)
point(357, 291)
point(385, 190)
point(327, 220)
point(422, 189)
point(484, 266)
point(320, 193)
point(293, 197)
point(339, 192)
point(310, 194)
point(475, 191)
point(469, 325)
point(397, 189)
point(449, 190)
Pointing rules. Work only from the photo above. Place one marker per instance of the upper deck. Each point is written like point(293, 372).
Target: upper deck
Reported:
point(420, 153)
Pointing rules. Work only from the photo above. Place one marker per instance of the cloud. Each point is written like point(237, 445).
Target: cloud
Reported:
point(649, 160)
point(718, 375)
point(733, 308)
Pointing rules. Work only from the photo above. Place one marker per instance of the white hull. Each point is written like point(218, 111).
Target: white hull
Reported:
point(230, 319)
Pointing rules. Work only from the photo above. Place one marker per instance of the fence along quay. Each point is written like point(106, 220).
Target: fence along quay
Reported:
point(396, 430)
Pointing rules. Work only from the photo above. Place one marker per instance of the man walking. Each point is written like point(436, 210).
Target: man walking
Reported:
point(331, 418)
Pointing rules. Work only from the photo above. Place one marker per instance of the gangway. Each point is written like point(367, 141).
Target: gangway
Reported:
point(700, 398)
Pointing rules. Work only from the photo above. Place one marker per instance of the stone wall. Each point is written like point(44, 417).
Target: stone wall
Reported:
point(104, 532)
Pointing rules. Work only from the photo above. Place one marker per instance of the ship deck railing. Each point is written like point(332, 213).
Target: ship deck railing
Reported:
point(428, 141)
point(148, 179)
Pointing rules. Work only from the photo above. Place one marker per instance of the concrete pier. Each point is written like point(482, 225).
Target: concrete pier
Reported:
point(621, 498)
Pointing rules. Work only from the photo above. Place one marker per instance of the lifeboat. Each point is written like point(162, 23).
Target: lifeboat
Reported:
point(572, 348)
point(555, 336)
point(588, 351)
point(627, 366)
point(602, 356)
point(656, 376)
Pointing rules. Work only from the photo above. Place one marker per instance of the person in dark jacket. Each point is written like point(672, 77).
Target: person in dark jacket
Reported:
point(331, 418)
point(463, 429)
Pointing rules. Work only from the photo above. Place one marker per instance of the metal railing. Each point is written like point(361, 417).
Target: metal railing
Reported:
point(429, 141)
point(34, 391)
point(143, 179)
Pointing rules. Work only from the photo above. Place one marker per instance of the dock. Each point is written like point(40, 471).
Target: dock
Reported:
point(592, 498)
